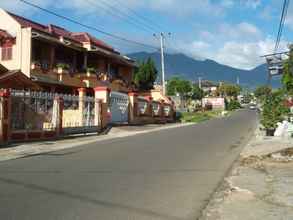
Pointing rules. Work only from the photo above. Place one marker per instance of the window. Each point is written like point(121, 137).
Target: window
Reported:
point(6, 53)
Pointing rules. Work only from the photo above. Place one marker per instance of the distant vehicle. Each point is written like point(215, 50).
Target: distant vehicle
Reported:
point(252, 107)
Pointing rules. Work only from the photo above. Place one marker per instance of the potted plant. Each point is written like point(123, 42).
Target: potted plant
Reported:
point(274, 111)
point(36, 65)
point(62, 68)
point(91, 70)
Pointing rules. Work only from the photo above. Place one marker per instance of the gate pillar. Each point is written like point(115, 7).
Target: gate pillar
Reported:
point(81, 105)
point(5, 116)
point(133, 109)
point(102, 97)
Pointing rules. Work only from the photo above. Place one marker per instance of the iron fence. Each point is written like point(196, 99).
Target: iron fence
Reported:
point(32, 110)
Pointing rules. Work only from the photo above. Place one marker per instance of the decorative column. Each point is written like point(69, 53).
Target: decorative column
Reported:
point(133, 107)
point(103, 95)
point(58, 115)
point(5, 116)
point(81, 105)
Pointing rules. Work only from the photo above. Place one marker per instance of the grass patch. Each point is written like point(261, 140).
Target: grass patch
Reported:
point(198, 117)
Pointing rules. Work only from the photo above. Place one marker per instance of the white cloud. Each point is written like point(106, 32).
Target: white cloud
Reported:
point(243, 55)
point(251, 3)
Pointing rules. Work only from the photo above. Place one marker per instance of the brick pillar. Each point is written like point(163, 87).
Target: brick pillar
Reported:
point(58, 115)
point(133, 107)
point(5, 114)
point(81, 105)
point(103, 95)
point(150, 106)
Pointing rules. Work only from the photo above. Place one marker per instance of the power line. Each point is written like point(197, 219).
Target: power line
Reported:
point(119, 14)
point(282, 22)
point(88, 27)
point(145, 19)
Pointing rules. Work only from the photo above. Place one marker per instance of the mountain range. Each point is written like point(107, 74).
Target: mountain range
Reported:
point(191, 69)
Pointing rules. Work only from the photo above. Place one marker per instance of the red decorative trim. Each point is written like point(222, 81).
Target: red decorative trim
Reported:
point(104, 88)
point(149, 98)
point(132, 94)
point(81, 90)
point(4, 93)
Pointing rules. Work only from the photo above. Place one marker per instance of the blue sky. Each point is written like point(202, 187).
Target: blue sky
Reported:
point(231, 32)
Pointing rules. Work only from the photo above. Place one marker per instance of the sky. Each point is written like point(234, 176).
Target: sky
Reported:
point(232, 32)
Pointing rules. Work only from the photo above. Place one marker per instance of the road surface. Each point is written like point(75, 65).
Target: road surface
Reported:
point(169, 174)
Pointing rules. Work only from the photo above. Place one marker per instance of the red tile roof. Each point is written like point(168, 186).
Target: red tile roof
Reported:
point(87, 38)
point(59, 31)
point(28, 23)
point(4, 34)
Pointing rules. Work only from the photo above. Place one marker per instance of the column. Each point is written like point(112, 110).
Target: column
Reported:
point(5, 114)
point(52, 56)
point(81, 106)
point(102, 94)
point(85, 61)
point(57, 118)
point(133, 102)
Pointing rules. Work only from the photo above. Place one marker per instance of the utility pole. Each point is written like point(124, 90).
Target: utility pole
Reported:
point(163, 63)
point(162, 42)
point(199, 82)
point(238, 80)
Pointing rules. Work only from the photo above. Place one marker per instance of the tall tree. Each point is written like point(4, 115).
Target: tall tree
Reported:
point(146, 75)
point(197, 93)
point(180, 86)
point(262, 92)
point(230, 90)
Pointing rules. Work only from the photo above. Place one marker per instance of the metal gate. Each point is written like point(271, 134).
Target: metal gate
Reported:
point(119, 103)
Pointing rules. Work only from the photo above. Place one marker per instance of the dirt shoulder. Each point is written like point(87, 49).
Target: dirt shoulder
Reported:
point(260, 185)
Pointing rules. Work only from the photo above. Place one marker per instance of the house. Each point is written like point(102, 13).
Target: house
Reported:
point(209, 86)
point(59, 60)
point(15, 79)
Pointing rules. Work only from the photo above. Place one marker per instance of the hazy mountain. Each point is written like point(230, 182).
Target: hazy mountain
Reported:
point(180, 64)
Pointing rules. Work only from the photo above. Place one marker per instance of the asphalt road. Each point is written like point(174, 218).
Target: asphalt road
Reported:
point(169, 174)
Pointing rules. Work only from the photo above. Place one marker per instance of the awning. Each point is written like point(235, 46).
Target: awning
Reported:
point(17, 80)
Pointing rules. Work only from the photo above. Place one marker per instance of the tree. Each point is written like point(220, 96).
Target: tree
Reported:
point(177, 85)
point(274, 110)
point(197, 93)
point(146, 75)
point(287, 79)
point(229, 90)
point(262, 91)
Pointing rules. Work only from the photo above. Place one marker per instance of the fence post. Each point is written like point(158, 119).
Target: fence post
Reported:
point(81, 105)
point(132, 107)
point(5, 116)
point(98, 112)
point(58, 115)
point(103, 94)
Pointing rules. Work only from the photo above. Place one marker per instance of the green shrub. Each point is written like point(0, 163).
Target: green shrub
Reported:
point(274, 110)
point(233, 105)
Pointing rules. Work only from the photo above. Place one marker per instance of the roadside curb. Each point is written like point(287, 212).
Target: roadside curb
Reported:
point(33, 149)
point(223, 183)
